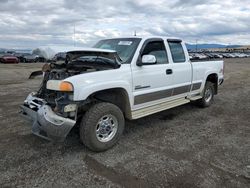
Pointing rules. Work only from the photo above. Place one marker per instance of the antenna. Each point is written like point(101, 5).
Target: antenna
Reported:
point(74, 35)
point(135, 33)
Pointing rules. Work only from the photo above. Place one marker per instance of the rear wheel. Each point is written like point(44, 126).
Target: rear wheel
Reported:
point(207, 95)
point(101, 126)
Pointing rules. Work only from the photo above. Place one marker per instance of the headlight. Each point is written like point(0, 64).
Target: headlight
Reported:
point(66, 86)
point(59, 85)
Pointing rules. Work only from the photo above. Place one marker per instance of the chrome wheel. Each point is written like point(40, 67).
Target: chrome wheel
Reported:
point(106, 128)
point(208, 95)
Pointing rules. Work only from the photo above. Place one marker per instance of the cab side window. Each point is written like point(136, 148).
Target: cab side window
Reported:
point(157, 49)
point(177, 52)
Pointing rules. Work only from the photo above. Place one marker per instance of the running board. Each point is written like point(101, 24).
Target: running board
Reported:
point(195, 98)
point(158, 108)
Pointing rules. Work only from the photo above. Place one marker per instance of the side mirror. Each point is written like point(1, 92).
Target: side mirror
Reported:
point(148, 59)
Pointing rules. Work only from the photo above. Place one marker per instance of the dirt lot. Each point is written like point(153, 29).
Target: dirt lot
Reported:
point(183, 147)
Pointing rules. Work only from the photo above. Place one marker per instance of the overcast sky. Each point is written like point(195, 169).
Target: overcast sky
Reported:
point(30, 23)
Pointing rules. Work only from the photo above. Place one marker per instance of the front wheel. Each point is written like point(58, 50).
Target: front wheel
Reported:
point(207, 95)
point(102, 126)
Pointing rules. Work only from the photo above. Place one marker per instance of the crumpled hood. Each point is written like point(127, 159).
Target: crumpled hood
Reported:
point(104, 53)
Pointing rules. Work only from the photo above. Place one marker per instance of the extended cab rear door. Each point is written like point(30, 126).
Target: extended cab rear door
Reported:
point(181, 67)
point(152, 82)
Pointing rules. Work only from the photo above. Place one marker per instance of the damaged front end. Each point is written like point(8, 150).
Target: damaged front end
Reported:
point(52, 108)
point(53, 112)
point(46, 122)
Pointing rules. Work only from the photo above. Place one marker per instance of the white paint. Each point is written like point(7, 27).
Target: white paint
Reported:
point(130, 75)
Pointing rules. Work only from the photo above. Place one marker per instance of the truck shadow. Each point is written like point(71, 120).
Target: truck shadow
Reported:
point(163, 117)
point(140, 125)
point(73, 143)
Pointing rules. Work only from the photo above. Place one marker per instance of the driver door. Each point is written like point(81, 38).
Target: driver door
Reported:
point(152, 83)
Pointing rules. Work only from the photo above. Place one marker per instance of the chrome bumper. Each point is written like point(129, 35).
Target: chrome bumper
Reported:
point(45, 123)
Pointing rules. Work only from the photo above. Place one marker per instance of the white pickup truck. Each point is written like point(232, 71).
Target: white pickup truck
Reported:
point(98, 88)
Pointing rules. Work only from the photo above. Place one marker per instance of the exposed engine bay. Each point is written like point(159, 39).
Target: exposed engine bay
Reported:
point(77, 62)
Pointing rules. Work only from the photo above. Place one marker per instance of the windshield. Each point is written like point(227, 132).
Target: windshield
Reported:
point(95, 57)
point(125, 47)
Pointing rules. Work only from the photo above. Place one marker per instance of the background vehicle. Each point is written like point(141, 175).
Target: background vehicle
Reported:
point(121, 78)
point(2, 53)
point(20, 56)
point(8, 58)
point(61, 56)
point(225, 55)
point(30, 58)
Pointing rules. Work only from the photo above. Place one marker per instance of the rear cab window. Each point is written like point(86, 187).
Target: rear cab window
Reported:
point(177, 51)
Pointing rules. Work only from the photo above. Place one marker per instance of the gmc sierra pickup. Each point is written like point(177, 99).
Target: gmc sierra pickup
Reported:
point(97, 88)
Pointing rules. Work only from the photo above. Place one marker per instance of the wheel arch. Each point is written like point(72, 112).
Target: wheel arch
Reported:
point(117, 96)
point(213, 77)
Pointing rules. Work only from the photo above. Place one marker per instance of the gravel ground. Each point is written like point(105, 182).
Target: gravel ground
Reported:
point(182, 147)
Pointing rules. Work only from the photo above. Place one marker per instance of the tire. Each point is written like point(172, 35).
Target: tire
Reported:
point(207, 95)
point(102, 126)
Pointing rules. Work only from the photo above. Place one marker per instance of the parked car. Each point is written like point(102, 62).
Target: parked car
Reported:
point(242, 55)
point(201, 56)
point(10, 52)
point(20, 56)
point(209, 55)
point(40, 59)
point(61, 56)
point(237, 55)
point(2, 53)
point(190, 56)
point(198, 56)
point(217, 55)
point(225, 55)
point(119, 78)
point(8, 58)
point(30, 58)
point(247, 55)
point(231, 55)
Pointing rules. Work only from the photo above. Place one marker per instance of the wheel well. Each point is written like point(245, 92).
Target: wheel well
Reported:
point(214, 79)
point(117, 96)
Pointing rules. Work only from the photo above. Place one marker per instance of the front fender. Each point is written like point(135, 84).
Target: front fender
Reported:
point(89, 83)
point(85, 92)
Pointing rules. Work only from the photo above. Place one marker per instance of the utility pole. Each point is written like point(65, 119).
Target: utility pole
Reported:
point(196, 45)
point(229, 46)
point(135, 33)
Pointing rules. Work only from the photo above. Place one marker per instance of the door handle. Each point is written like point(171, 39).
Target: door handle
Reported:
point(169, 71)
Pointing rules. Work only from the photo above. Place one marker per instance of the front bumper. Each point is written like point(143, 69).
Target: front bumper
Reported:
point(46, 123)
